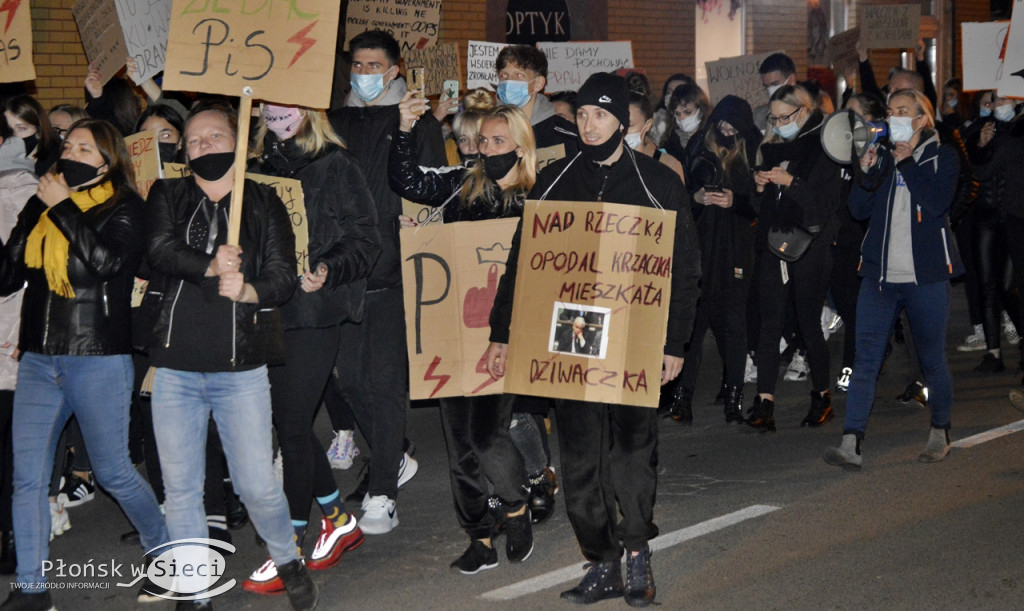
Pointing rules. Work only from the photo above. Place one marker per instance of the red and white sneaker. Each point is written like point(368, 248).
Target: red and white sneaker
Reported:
point(264, 580)
point(334, 542)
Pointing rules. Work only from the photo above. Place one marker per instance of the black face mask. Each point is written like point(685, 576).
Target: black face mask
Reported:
point(212, 166)
point(30, 144)
point(76, 173)
point(599, 152)
point(168, 151)
point(726, 142)
point(498, 166)
point(469, 160)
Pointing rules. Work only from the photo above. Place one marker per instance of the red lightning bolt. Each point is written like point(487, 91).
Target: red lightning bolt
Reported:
point(441, 379)
point(481, 367)
point(302, 39)
point(11, 7)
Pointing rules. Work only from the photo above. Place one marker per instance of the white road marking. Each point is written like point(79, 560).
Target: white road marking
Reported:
point(576, 571)
point(995, 433)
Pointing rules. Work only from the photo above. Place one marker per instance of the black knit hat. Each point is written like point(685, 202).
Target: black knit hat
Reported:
point(607, 91)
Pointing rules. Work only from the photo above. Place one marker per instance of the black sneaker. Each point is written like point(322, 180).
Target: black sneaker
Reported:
point(151, 592)
point(194, 605)
point(477, 557)
point(76, 491)
point(990, 363)
point(519, 537)
point(364, 485)
point(603, 580)
point(915, 391)
point(640, 588)
point(20, 601)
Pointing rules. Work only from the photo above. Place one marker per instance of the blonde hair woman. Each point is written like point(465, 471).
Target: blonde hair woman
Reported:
point(476, 429)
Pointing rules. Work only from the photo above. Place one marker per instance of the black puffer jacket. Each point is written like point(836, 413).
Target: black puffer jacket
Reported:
point(999, 168)
point(813, 200)
point(367, 132)
point(342, 224)
point(268, 261)
point(434, 186)
point(105, 248)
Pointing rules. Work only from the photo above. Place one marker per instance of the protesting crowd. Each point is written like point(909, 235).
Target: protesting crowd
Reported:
point(174, 337)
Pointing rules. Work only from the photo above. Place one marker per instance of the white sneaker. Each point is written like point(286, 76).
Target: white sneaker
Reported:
point(380, 516)
point(60, 522)
point(1010, 331)
point(843, 383)
point(343, 450)
point(407, 469)
point(974, 341)
point(798, 369)
point(750, 371)
point(279, 467)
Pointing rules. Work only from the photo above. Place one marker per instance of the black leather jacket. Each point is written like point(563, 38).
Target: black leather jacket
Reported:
point(268, 260)
point(105, 248)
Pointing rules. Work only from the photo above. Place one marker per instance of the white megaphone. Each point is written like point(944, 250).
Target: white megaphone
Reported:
point(846, 134)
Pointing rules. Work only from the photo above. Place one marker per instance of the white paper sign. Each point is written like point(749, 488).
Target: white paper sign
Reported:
point(480, 64)
point(571, 63)
point(983, 46)
point(145, 24)
point(1011, 81)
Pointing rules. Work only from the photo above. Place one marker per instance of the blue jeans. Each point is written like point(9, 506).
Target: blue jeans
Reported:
point(240, 404)
point(97, 389)
point(878, 306)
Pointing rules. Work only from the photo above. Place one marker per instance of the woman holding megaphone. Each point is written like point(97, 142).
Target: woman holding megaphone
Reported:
point(476, 429)
point(799, 189)
point(907, 259)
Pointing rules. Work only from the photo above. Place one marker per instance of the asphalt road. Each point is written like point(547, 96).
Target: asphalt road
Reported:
point(748, 520)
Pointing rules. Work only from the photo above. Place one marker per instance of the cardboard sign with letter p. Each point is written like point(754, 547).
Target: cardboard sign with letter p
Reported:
point(591, 302)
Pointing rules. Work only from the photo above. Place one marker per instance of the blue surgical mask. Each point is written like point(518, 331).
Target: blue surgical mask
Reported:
point(367, 86)
point(787, 131)
point(901, 129)
point(985, 112)
point(514, 93)
point(1004, 113)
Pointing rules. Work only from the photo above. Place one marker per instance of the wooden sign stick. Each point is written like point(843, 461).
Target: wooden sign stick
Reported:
point(241, 152)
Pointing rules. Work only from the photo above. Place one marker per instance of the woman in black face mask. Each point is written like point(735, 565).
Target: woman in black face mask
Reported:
point(77, 245)
point(28, 121)
point(168, 125)
point(477, 428)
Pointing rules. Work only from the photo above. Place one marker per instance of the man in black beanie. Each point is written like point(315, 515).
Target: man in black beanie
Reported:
point(623, 469)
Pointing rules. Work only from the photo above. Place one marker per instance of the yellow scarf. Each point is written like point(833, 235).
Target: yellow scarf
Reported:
point(47, 247)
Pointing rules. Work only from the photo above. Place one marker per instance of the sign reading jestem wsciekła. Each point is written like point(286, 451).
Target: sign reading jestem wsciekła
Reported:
point(284, 51)
point(591, 302)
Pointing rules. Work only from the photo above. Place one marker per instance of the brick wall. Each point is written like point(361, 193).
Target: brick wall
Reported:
point(58, 54)
point(779, 25)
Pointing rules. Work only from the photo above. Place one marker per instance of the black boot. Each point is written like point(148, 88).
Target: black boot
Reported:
point(821, 409)
point(640, 590)
point(8, 558)
point(302, 592)
point(603, 580)
point(543, 487)
point(733, 404)
point(762, 414)
point(682, 405)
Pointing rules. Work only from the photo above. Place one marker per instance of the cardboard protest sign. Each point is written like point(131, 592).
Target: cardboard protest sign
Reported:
point(144, 25)
point(890, 26)
point(480, 64)
point(16, 43)
point(571, 63)
point(413, 24)
point(218, 47)
point(737, 76)
point(101, 35)
point(983, 45)
point(450, 277)
point(1011, 80)
point(145, 154)
point(441, 63)
point(591, 302)
point(549, 154)
point(421, 214)
point(842, 51)
point(290, 192)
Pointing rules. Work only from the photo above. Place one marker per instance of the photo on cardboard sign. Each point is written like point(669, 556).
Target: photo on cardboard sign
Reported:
point(579, 330)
